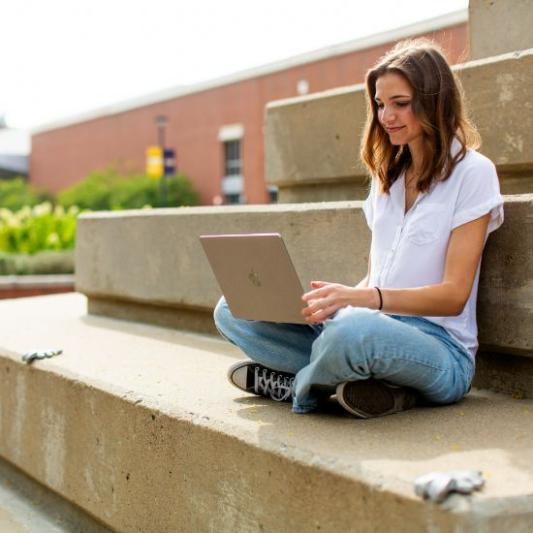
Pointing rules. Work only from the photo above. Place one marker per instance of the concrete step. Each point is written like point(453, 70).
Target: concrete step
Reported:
point(169, 282)
point(28, 507)
point(309, 158)
point(137, 425)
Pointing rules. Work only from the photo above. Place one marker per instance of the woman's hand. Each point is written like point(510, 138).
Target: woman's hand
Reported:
point(327, 298)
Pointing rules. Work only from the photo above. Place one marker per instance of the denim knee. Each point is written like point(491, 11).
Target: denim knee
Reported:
point(343, 339)
point(351, 326)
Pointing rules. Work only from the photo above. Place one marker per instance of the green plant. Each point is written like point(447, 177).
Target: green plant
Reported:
point(105, 190)
point(134, 193)
point(91, 193)
point(47, 262)
point(179, 192)
point(31, 230)
point(17, 193)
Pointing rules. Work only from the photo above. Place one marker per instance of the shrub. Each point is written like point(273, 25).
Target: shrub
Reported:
point(17, 193)
point(179, 192)
point(105, 190)
point(92, 193)
point(31, 230)
point(47, 262)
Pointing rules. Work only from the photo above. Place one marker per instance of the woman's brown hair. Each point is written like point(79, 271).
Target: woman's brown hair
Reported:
point(437, 103)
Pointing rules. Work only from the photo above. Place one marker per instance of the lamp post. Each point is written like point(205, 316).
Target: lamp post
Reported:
point(161, 122)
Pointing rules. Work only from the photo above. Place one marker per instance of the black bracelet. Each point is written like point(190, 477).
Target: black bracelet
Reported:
point(380, 298)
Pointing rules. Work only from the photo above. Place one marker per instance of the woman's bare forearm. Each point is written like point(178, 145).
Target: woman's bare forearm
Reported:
point(431, 300)
point(442, 299)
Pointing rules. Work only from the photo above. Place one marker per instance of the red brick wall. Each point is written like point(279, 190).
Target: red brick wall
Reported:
point(21, 292)
point(64, 156)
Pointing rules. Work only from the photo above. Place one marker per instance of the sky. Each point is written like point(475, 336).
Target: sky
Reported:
point(64, 57)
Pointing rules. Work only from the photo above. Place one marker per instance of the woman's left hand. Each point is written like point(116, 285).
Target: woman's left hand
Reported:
point(327, 298)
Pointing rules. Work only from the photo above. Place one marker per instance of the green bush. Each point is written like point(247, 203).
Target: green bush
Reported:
point(31, 230)
point(17, 193)
point(47, 262)
point(106, 190)
point(34, 238)
point(179, 192)
point(92, 193)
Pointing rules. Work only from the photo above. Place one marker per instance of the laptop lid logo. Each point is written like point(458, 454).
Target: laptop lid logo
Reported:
point(253, 276)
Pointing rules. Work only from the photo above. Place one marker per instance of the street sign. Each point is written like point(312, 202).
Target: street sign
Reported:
point(170, 162)
point(154, 162)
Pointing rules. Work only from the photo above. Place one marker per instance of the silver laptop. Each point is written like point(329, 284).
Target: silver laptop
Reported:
point(256, 275)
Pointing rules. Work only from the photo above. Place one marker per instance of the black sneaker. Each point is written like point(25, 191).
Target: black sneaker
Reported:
point(373, 397)
point(258, 379)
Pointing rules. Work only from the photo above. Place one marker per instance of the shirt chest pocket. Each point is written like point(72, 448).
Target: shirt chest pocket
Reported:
point(427, 224)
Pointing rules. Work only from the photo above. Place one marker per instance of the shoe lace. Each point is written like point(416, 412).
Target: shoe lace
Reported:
point(269, 383)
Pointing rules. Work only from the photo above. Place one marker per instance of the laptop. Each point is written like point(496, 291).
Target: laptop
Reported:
point(256, 275)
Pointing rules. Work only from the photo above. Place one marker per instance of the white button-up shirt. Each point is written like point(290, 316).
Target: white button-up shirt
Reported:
point(409, 249)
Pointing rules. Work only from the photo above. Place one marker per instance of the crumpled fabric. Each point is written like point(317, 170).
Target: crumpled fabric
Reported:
point(436, 486)
point(29, 357)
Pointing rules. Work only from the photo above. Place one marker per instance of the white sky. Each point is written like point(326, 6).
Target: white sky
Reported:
point(63, 57)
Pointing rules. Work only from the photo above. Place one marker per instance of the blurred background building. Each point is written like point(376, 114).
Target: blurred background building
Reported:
point(216, 128)
point(14, 151)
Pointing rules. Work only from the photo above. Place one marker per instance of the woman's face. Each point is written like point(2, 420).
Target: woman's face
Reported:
point(394, 96)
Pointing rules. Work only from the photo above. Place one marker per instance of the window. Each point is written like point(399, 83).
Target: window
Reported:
point(232, 158)
point(232, 198)
point(232, 180)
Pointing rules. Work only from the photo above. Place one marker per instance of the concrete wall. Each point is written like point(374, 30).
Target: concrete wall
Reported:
point(150, 266)
point(168, 279)
point(312, 142)
point(499, 26)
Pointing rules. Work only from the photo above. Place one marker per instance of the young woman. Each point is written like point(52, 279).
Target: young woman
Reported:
point(408, 330)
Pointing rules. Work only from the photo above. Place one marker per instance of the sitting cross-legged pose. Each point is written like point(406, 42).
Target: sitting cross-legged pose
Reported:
point(407, 332)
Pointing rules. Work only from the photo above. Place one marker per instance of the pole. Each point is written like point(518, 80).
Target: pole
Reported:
point(161, 122)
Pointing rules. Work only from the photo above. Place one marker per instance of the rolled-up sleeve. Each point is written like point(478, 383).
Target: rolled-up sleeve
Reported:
point(479, 195)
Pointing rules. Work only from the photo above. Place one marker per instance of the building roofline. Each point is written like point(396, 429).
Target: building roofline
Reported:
point(436, 23)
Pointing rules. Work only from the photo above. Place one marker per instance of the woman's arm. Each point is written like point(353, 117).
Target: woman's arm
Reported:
point(443, 299)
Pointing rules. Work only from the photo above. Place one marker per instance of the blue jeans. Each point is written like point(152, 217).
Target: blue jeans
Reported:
point(357, 343)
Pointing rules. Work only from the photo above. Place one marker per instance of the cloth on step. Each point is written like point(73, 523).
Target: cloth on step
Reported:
point(436, 486)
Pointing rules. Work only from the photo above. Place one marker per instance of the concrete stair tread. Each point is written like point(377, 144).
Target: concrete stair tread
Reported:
point(183, 375)
point(27, 507)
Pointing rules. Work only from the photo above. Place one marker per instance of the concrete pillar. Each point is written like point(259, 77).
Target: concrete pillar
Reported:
point(499, 26)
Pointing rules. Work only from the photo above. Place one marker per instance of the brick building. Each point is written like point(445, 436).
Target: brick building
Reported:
point(216, 128)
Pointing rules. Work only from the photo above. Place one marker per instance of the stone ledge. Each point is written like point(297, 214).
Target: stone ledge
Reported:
point(312, 142)
point(45, 281)
point(167, 266)
point(169, 282)
point(488, 27)
point(13, 286)
point(138, 426)
point(183, 318)
point(27, 506)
